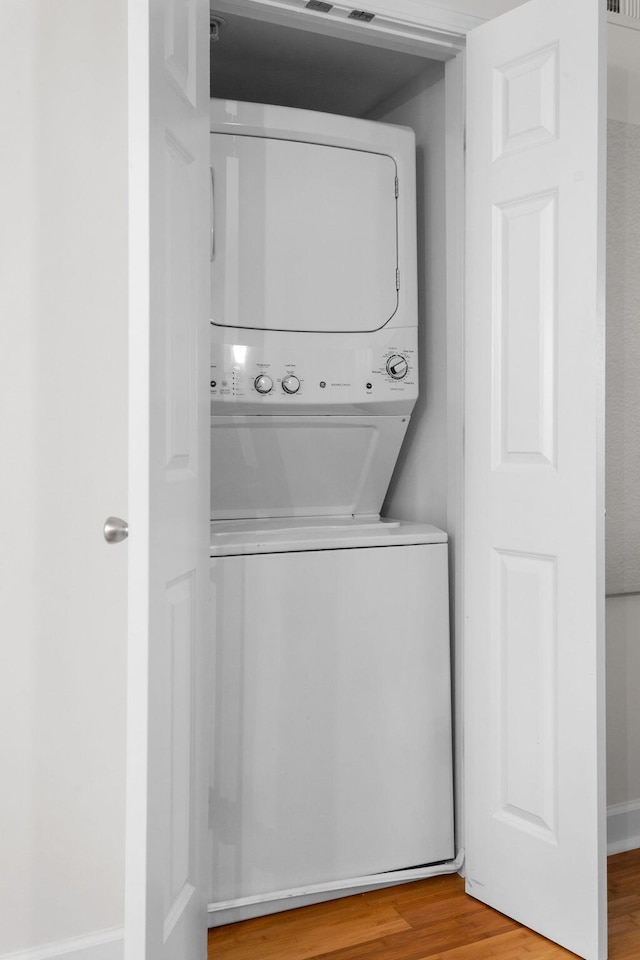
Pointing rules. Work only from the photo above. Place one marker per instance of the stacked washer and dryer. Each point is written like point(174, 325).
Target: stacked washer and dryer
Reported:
point(332, 751)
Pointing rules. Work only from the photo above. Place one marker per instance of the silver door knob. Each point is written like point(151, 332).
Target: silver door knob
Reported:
point(115, 530)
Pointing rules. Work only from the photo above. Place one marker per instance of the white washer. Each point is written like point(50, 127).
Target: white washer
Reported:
point(332, 743)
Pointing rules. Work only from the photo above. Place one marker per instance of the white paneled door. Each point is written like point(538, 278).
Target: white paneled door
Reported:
point(534, 510)
point(169, 487)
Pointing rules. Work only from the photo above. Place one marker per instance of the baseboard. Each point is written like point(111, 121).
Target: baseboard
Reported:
point(103, 945)
point(623, 827)
point(219, 918)
point(262, 905)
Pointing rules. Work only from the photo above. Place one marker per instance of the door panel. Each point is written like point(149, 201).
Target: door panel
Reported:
point(534, 598)
point(169, 482)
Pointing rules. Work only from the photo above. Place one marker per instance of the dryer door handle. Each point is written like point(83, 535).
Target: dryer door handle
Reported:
point(213, 227)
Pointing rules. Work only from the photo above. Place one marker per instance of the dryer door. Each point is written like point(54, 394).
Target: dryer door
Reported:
point(305, 236)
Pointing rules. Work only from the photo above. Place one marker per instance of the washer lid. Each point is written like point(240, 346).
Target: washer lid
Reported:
point(305, 236)
point(241, 537)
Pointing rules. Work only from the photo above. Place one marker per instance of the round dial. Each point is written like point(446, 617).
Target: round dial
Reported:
point(263, 383)
point(290, 384)
point(397, 366)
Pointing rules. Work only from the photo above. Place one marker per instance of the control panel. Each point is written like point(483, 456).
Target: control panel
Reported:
point(275, 379)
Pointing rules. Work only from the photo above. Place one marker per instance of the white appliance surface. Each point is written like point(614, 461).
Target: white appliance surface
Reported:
point(329, 374)
point(332, 743)
point(232, 537)
point(334, 246)
point(302, 466)
point(313, 215)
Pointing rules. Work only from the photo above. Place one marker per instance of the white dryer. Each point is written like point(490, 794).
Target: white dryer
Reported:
point(313, 310)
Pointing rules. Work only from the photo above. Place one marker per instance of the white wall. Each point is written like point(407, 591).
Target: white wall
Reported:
point(623, 721)
point(623, 74)
point(418, 490)
point(623, 675)
point(623, 433)
point(63, 441)
point(623, 358)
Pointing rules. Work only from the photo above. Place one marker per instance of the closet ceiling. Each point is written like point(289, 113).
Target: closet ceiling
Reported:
point(266, 63)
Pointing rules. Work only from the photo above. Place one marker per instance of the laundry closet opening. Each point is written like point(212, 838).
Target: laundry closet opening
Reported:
point(261, 62)
point(314, 612)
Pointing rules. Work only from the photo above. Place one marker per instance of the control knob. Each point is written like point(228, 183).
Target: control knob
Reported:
point(263, 383)
point(397, 366)
point(290, 384)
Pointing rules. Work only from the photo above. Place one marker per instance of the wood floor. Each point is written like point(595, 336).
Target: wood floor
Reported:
point(429, 920)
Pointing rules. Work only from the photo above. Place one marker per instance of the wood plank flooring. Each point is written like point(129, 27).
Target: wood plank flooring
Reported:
point(428, 920)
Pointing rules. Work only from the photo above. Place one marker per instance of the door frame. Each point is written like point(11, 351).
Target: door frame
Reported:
point(409, 26)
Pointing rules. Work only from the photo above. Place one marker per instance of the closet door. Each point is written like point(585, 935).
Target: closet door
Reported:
point(169, 482)
point(534, 511)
